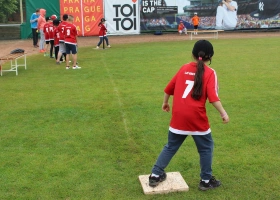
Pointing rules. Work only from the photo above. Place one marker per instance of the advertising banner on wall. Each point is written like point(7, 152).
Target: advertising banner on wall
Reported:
point(214, 14)
point(122, 17)
point(87, 14)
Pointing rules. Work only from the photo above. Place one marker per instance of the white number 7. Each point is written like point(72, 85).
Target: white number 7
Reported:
point(188, 88)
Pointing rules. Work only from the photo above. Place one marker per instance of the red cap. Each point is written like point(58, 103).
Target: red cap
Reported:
point(53, 17)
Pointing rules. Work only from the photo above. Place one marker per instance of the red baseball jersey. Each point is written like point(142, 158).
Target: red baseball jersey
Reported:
point(70, 34)
point(189, 115)
point(46, 30)
point(103, 30)
point(51, 31)
point(61, 28)
point(56, 37)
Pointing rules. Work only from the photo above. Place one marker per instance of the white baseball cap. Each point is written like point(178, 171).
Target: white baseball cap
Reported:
point(195, 13)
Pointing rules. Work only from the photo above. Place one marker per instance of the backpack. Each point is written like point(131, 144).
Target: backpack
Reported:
point(17, 51)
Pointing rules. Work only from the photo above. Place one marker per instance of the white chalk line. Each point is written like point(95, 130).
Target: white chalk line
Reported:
point(117, 95)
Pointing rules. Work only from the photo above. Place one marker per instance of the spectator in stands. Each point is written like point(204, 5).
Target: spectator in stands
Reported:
point(226, 17)
point(41, 24)
point(34, 23)
point(195, 22)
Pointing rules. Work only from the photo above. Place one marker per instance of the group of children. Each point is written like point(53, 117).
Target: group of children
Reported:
point(61, 36)
point(61, 39)
point(195, 21)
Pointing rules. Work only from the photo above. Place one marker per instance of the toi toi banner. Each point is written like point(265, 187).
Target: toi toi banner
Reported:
point(122, 17)
point(87, 14)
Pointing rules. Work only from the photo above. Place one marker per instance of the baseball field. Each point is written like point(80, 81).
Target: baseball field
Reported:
point(89, 133)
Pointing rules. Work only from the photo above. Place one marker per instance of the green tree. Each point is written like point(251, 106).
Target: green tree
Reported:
point(7, 7)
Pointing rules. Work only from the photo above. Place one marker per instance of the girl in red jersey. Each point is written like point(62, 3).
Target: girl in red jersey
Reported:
point(51, 34)
point(192, 85)
point(47, 34)
point(102, 34)
point(56, 37)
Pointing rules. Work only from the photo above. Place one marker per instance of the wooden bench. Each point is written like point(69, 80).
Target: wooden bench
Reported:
point(213, 34)
point(13, 58)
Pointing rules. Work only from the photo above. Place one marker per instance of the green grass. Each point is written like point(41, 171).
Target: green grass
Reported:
point(89, 133)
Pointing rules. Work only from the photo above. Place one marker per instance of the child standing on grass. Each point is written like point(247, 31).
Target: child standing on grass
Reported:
point(192, 85)
point(47, 33)
point(102, 33)
point(62, 50)
point(70, 39)
point(56, 37)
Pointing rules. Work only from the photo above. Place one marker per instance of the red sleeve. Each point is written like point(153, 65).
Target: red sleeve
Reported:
point(169, 89)
point(212, 88)
point(44, 29)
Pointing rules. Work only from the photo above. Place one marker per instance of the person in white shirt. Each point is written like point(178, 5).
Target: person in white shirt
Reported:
point(226, 17)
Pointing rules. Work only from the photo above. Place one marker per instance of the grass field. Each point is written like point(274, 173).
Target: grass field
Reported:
point(89, 133)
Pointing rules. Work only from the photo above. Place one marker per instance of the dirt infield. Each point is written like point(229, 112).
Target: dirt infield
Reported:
point(8, 45)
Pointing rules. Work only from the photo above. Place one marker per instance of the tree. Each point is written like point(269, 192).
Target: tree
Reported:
point(7, 7)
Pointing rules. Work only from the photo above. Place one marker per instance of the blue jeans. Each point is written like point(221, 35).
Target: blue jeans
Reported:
point(204, 144)
point(101, 40)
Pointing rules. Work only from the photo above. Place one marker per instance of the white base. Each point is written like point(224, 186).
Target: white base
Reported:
point(173, 183)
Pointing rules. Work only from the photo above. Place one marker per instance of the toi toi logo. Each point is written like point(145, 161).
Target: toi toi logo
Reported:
point(125, 17)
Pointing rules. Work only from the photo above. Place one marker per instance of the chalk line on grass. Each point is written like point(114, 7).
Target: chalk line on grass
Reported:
point(124, 118)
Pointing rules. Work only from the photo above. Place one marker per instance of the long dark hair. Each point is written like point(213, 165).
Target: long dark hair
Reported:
point(202, 52)
point(198, 78)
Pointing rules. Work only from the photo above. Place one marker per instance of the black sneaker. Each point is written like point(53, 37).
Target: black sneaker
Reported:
point(154, 181)
point(213, 183)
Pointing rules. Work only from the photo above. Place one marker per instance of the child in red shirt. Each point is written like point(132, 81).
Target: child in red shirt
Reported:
point(70, 40)
point(102, 34)
point(47, 29)
point(56, 37)
point(191, 87)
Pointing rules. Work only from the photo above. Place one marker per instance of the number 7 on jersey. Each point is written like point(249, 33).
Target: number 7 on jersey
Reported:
point(188, 88)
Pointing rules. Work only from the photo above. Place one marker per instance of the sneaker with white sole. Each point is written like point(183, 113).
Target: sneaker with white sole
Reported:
point(154, 181)
point(109, 46)
point(67, 67)
point(97, 47)
point(212, 184)
point(76, 67)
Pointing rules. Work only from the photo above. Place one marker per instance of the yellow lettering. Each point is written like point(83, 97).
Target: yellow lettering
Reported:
point(71, 10)
point(71, 1)
point(89, 1)
point(87, 28)
point(77, 19)
point(93, 19)
point(88, 19)
point(78, 28)
point(92, 9)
